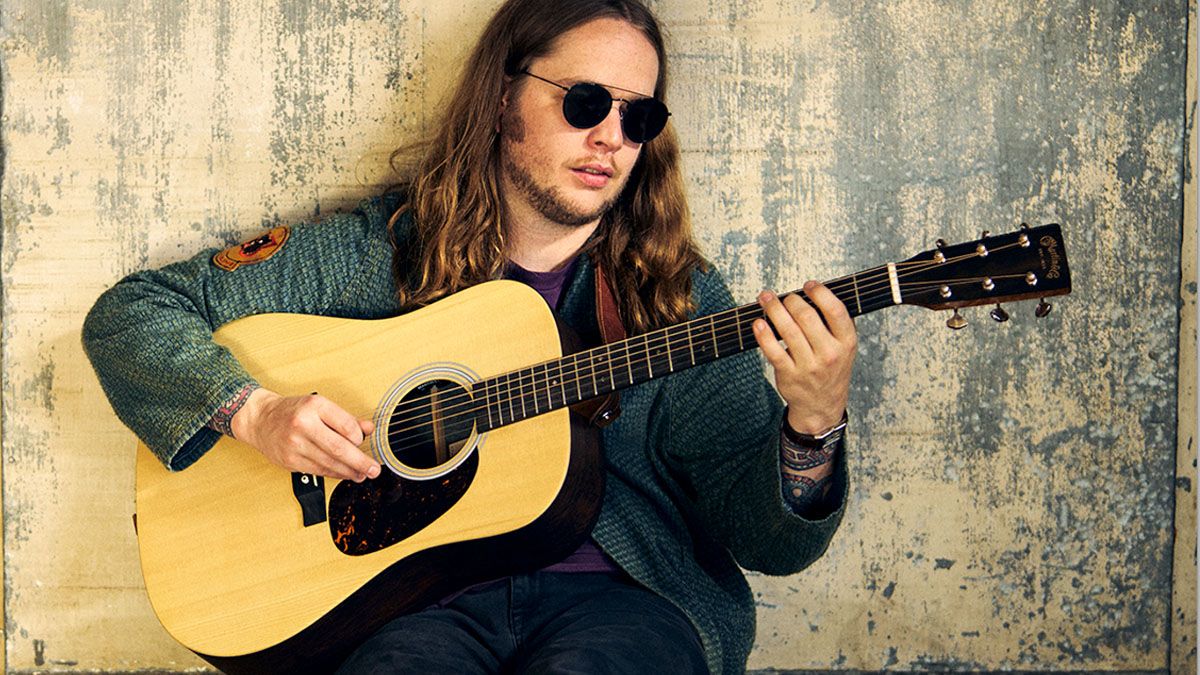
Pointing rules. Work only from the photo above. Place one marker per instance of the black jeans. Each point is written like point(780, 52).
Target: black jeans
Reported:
point(543, 622)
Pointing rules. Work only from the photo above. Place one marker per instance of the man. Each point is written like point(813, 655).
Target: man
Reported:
point(553, 165)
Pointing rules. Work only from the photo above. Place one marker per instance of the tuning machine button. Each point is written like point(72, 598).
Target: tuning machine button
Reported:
point(999, 314)
point(956, 322)
point(1043, 308)
point(938, 255)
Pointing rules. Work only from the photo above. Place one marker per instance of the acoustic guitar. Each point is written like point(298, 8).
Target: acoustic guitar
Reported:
point(486, 473)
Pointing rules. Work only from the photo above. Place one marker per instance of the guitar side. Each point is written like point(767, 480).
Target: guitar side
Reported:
point(234, 575)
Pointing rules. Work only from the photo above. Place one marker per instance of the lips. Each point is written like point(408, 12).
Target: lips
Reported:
point(593, 175)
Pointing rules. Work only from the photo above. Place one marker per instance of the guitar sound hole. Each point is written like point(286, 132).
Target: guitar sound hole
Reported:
point(431, 424)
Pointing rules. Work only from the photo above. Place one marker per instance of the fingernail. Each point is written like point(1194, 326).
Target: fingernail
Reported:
point(373, 471)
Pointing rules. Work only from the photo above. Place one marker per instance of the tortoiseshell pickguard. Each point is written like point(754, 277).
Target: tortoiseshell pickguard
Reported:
point(374, 514)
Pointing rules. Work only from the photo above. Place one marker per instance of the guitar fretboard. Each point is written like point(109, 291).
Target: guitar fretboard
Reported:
point(542, 388)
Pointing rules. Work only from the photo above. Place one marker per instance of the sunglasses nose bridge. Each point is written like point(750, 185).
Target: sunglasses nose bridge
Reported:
point(608, 130)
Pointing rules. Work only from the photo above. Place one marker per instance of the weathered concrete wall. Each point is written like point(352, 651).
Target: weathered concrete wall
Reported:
point(1183, 614)
point(1013, 484)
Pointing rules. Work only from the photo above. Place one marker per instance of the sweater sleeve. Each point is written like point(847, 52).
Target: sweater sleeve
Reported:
point(149, 337)
point(724, 442)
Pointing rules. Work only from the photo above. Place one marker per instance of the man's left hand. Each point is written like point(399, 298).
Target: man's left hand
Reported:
point(813, 373)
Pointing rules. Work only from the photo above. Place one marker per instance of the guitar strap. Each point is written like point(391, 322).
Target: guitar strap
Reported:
point(607, 313)
point(604, 410)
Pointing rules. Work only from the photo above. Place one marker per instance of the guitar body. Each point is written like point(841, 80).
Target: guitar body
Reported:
point(234, 574)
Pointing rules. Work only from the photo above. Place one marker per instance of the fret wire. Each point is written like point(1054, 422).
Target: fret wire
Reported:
point(519, 401)
point(496, 400)
point(533, 389)
point(592, 367)
point(594, 375)
point(629, 362)
point(525, 395)
point(712, 330)
point(514, 383)
point(537, 407)
point(667, 344)
point(487, 402)
point(503, 390)
point(580, 373)
point(578, 377)
point(562, 381)
point(649, 359)
point(691, 350)
point(499, 392)
point(499, 400)
point(512, 415)
point(857, 300)
point(521, 393)
point(528, 391)
point(612, 381)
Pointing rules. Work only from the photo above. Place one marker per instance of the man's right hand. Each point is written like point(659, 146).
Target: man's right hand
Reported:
point(309, 434)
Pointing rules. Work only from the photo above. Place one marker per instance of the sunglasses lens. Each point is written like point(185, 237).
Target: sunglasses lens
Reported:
point(644, 119)
point(586, 105)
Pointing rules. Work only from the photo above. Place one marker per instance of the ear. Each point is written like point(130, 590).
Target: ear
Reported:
point(503, 102)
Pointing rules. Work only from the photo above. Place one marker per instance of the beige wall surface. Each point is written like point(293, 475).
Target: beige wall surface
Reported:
point(1014, 486)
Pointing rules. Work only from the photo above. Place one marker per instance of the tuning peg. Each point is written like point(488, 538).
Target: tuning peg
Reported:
point(999, 314)
point(940, 243)
point(956, 321)
point(1043, 308)
point(984, 235)
point(1025, 227)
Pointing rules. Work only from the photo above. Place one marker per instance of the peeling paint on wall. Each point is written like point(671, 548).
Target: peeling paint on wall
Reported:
point(1013, 485)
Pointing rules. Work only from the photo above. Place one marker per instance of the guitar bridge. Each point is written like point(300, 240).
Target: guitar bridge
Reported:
point(310, 493)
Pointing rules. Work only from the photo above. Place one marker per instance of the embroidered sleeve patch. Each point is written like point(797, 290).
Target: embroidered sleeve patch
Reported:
point(254, 251)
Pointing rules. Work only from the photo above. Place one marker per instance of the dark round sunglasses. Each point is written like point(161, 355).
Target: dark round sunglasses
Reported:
point(587, 104)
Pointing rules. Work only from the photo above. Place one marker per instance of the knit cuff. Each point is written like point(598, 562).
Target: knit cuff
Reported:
point(222, 419)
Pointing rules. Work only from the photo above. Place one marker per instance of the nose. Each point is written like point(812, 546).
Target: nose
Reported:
point(608, 133)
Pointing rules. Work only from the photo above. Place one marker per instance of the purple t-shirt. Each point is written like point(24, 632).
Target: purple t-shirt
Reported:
point(588, 557)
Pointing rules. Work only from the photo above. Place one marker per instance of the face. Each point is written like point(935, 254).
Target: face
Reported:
point(549, 168)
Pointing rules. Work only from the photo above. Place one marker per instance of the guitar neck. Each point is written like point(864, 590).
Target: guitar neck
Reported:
point(542, 388)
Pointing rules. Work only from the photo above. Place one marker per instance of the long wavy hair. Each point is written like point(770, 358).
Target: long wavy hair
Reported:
point(644, 243)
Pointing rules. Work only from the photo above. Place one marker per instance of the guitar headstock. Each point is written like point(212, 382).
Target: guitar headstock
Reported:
point(1027, 263)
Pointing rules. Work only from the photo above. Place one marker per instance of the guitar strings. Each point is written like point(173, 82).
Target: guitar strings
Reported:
point(671, 342)
point(523, 390)
point(454, 412)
